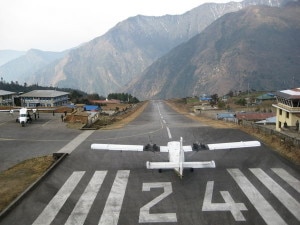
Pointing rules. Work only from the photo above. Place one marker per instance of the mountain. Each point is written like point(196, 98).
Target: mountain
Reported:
point(8, 55)
point(257, 47)
point(20, 68)
point(105, 64)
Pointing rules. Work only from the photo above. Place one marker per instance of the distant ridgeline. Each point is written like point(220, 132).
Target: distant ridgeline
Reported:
point(123, 97)
point(76, 96)
point(16, 87)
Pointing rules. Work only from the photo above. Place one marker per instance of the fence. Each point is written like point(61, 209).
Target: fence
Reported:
point(285, 138)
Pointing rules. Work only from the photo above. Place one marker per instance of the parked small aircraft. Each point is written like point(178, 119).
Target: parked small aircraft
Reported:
point(24, 115)
point(176, 153)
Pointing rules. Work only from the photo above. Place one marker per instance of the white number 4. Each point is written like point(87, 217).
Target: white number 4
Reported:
point(145, 216)
point(229, 205)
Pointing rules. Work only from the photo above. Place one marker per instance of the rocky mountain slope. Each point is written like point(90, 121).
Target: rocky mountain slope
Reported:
point(9, 55)
point(258, 47)
point(19, 69)
point(105, 64)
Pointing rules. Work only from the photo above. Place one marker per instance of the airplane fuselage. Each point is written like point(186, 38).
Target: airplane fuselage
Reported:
point(176, 155)
point(24, 117)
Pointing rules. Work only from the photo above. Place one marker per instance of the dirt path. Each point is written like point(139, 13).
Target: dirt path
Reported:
point(127, 118)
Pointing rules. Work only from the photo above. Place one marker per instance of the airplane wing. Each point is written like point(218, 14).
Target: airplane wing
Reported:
point(161, 165)
point(9, 110)
point(230, 145)
point(116, 147)
point(29, 109)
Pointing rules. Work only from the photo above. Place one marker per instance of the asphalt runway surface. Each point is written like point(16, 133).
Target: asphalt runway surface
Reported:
point(248, 186)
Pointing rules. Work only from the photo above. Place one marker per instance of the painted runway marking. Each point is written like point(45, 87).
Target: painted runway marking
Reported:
point(169, 133)
point(145, 215)
point(111, 212)
point(285, 198)
point(292, 181)
point(229, 205)
point(51, 210)
point(114, 202)
point(86, 200)
point(70, 147)
point(263, 207)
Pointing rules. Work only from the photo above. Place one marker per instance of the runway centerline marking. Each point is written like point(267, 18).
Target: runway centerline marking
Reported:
point(169, 133)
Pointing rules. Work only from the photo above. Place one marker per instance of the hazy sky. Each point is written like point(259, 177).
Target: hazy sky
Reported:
point(56, 25)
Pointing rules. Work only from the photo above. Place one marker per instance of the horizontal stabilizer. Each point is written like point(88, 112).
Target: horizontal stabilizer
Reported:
point(195, 165)
point(172, 165)
point(116, 147)
point(230, 145)
point(161, 165)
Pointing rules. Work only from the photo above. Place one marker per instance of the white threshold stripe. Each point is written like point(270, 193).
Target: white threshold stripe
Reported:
point(169, 133)
point(86, 200)
point(113, 205)
point(267, 212)
point(292, 181)
point(51, 210)
point(70, 147)
point(285, 198)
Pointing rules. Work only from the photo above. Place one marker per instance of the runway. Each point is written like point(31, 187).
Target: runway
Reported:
point(248, 186)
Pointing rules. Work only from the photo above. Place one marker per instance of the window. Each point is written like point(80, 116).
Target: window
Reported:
point(280, 111)
point(287, 115)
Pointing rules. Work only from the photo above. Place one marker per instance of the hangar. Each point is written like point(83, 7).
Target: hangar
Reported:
point(45, 98)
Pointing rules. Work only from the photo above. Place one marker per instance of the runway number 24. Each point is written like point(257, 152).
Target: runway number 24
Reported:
point(229, 205)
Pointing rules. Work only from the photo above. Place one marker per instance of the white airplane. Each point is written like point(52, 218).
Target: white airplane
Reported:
point(24, 115)
point(176, 153)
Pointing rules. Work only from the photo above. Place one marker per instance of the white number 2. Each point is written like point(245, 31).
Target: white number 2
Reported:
point(145, 216)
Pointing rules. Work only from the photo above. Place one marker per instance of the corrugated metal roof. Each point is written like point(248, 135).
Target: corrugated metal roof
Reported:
point(2, 92)
point(268, 120)
point(289, 94)
point(91, 108)
point(267, 96)
point(44, 93)
point(225, 115)
point(254, 116)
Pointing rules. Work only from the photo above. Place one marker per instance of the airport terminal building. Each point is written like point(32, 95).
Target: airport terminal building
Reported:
point(7, 98)
point(44, 98)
